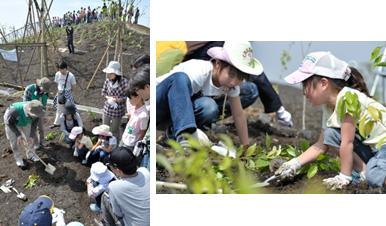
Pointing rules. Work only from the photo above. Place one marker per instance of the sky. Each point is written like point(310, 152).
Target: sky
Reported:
point(14, 12)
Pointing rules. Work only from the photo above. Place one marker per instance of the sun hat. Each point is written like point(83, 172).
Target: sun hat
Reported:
point(114, 67)
point(320, 63)
point(100, 173)
point(121, 158)
point(37, 213)
point(238, 54)
point(44, 83)
point(75, 223)
point(103, 130)
point(69, 108)
point(75, 132)
point(34, 108)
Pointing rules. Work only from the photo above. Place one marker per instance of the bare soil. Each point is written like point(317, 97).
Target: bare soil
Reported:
point(67, 186)
point(292, 100)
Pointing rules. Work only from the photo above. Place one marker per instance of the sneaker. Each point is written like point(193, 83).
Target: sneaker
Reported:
point(43, 143)
point(358, 177)
point(20, 163)
point(75, 154)
point(53, 126)
point(33, 158)
point(84, 162)
point(95, 208)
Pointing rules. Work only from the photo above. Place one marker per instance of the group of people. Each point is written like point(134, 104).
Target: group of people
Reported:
point(88, 15)
point(192, 94)
point(116, 171)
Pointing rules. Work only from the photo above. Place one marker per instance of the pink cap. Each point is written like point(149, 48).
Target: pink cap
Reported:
point(75, 132)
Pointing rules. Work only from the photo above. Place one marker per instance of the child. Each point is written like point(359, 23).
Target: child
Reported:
point(139, 121)
point(186, 95)
point(66, 84)
point(68, 120)
point(97, 183)
point(106, 142)
point(326, 80)
point(82, 143)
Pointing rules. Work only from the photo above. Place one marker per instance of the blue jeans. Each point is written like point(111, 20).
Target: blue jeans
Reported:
point(98, 199)
point(68, 140)
point(174, 101)
point(102, 154)
point(82, 152)
point(146, 160)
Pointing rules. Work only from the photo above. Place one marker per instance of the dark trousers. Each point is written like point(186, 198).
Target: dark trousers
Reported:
point(70, 44)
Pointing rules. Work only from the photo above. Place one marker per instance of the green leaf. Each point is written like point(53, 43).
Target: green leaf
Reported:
point(361, 127)
point(250, 151)
point(380, 143)
point(312, 171)
point(369, 127)
point(373, 112)
point(261, 163)
point(375, 52)
point(324, 166)
point(382, 64)
point(226, 163)
point(163, 161)
point(267, 142)
point(292, 151)
point(304, 145)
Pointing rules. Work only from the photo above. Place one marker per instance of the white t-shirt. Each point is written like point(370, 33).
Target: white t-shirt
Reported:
point(331, 118)
point(60, 79)
point(200, 75)
point(139, 120)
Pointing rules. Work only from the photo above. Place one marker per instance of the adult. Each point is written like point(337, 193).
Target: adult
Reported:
point(21, 120)
point(128, 199)
point(114, 91)
point(39, 91)
point(130, 16)
point(70, 38)
point(136, 16)
point(68, 120)
point(66, 85)
point(139, 61)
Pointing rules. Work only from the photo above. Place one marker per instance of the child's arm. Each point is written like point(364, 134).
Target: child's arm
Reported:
point(311, 154)
point(142, 134)
point(240, 119)
point(346, 147)
point(95, 146)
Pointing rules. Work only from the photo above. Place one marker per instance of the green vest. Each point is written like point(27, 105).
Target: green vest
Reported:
point(37, 97)
point(23, 120)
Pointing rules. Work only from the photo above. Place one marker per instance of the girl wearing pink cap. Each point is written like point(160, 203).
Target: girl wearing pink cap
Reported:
point(186, 97)
point(326, 80)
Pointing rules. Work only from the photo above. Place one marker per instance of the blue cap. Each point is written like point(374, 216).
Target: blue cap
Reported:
point(37, 213)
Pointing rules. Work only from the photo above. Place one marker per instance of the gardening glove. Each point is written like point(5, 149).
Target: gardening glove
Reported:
point(284, 117)
point(111, 102)
point(5, 189)
point(58, 217)
point(337, 182)
point(293, 164)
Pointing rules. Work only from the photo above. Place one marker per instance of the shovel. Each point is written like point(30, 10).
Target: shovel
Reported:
point(49, 168)
point(20, 195)
point(265, 183)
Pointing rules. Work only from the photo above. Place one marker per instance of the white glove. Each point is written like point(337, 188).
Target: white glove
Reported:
point(5, 189)
point(284, 117)
point(337, 182)
point(113, 104)
point(58, 217)
point(88, 155)
point(293, 164)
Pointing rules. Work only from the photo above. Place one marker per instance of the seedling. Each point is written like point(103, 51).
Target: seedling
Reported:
point(91, 114)
point(51, 135)
point(31, 181)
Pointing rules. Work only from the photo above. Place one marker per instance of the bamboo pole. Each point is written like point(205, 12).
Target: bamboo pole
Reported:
point(100, 62)
point(52, 59)
point(29, 64)
point(1, 74)
point(55, 44)
point(18, 68)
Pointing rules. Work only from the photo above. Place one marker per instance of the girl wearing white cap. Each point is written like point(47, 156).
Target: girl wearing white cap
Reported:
point(114, 91)
point(327, 81)
point(186, 96)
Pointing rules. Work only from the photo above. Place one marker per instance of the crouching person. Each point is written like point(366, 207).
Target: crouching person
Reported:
point(127, 200)
point(68, 120)
point(82, 143)
point(97, 183)
point(21, 120)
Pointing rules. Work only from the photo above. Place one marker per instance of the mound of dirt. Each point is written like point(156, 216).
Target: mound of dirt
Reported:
point(67, 186)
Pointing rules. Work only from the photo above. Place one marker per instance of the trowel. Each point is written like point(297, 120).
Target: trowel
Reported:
point(266, 182)
point(20, 195)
